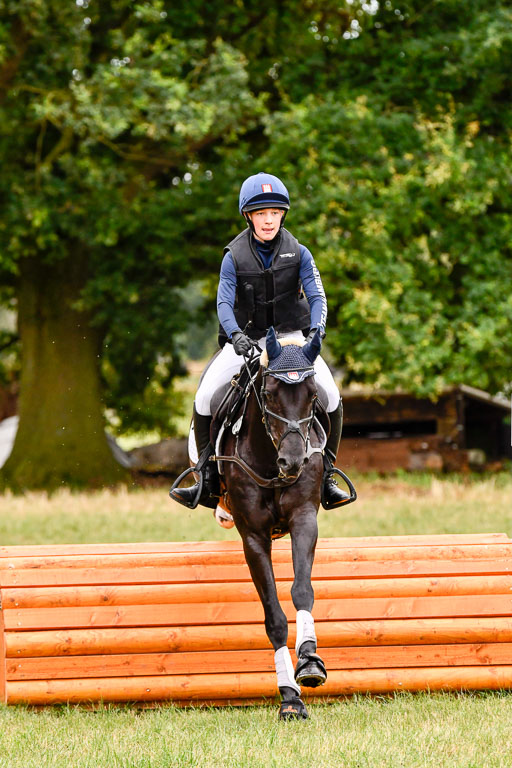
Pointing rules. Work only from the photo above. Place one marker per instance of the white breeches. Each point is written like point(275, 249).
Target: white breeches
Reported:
point(227, 363)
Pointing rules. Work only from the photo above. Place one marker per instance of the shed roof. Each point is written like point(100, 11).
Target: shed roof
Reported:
point(500, 401)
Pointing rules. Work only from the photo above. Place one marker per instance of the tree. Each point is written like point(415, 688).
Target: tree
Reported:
point(125, 130)
point(104, 116)
point(401, 173)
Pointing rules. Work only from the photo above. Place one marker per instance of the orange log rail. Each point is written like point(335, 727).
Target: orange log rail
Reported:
point(181, 621)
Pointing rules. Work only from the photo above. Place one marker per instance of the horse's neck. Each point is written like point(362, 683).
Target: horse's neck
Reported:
point(256, 434)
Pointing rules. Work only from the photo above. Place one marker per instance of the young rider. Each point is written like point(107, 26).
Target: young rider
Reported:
point(266, 279)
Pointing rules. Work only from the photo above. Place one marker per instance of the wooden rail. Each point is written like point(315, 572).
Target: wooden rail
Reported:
point(181, 621)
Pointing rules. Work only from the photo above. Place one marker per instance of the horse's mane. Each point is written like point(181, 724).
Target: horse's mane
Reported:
point(285, 342)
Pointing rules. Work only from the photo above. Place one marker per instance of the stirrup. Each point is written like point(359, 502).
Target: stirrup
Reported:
point(199, 468)
point(195, 501)
point(353, 495)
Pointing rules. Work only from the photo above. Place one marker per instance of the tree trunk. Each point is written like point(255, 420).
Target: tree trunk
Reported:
point(61, 435)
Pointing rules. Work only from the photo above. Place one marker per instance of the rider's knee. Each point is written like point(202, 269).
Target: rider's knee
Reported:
point(326, 381)
point(202, 402)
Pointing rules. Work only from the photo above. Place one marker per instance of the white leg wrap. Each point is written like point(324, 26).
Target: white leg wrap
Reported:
point(305, 629)
point(284, 669)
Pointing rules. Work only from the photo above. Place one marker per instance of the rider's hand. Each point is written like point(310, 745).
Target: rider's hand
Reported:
point(312, 332)
point(241, 343)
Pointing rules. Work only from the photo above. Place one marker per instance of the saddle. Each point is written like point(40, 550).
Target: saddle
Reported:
point(227, 400)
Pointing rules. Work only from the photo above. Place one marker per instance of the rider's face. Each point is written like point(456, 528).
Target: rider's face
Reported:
point(266, 223)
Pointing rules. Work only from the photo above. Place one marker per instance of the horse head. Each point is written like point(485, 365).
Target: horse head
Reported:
point(288, 397)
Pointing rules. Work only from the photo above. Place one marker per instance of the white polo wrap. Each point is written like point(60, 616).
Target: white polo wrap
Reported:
point(305, 629)
point(284, 669)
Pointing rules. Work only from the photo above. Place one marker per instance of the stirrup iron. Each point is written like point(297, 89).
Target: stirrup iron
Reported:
point(353, 495)
point(195, 501)
point(199, 470)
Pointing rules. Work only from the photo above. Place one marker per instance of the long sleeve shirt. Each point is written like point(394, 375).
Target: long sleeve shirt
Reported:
point(308, 274)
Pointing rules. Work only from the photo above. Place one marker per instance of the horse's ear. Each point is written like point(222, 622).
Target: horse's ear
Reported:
point(313, 347)
point(272, 345)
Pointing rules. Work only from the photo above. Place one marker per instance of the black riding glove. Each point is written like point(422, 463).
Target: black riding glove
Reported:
point(312, 332)
point(241, 343)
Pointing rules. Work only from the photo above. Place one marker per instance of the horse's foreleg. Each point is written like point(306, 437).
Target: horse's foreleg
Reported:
point(257, 548)
point(310, 670)
point(304, 534)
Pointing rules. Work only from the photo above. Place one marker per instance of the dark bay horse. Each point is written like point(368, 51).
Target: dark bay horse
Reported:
point(273, 467)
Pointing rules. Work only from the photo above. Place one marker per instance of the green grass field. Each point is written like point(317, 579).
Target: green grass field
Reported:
point(470, 730)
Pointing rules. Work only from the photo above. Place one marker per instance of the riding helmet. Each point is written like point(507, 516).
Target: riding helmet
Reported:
point(263, 191)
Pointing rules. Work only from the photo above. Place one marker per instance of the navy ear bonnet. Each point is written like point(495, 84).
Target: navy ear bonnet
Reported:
point(290, 362)
point(289, 365)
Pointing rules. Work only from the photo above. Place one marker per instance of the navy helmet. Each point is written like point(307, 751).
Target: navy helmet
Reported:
point(263, 191)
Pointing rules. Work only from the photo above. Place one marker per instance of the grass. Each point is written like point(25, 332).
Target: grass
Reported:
point(385, 506)
point(422, 731)
point(405, 731)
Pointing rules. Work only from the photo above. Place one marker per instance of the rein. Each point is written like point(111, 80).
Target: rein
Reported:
point(292, 426)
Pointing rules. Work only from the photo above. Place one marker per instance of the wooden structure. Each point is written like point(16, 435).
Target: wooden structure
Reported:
point(384, 431)
point(182, 621)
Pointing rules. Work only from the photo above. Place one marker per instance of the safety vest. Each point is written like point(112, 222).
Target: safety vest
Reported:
point(268, 297)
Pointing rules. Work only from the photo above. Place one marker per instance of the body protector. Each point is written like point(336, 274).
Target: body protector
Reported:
point(268, 297)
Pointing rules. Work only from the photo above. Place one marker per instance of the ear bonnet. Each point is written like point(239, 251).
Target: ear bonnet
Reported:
point(288, 360)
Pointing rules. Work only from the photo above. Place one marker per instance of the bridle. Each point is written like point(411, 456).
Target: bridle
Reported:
point(292, 425)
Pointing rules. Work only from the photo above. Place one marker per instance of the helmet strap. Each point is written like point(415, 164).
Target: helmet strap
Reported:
point(249, 221)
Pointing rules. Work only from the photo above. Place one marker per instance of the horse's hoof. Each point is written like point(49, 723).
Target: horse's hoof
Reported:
point(293, 709)
point(310, 671)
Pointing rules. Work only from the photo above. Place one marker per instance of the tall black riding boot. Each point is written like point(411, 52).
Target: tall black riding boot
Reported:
point(332, 495)
point(211, 490)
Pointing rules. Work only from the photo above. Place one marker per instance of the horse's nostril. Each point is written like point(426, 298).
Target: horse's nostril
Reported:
point(289, 466)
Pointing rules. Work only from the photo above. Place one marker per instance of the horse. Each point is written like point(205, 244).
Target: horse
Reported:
point(272, 473)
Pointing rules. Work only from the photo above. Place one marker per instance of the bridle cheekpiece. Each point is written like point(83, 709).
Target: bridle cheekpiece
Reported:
point(291, 367)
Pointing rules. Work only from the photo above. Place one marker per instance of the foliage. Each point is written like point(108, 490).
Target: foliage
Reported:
point(411, 226)
point(9, 340)
point(103, 118)
point(401, 180)
point(125, 130)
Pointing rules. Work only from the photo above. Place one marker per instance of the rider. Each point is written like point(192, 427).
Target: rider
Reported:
point(266, 279)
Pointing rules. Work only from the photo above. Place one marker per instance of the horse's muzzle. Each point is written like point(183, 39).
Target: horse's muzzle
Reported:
point(290, 468)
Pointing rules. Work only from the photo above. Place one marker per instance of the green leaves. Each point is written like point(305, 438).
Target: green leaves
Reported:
point(126, 130)
point(106, 125)
point(406, 217)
